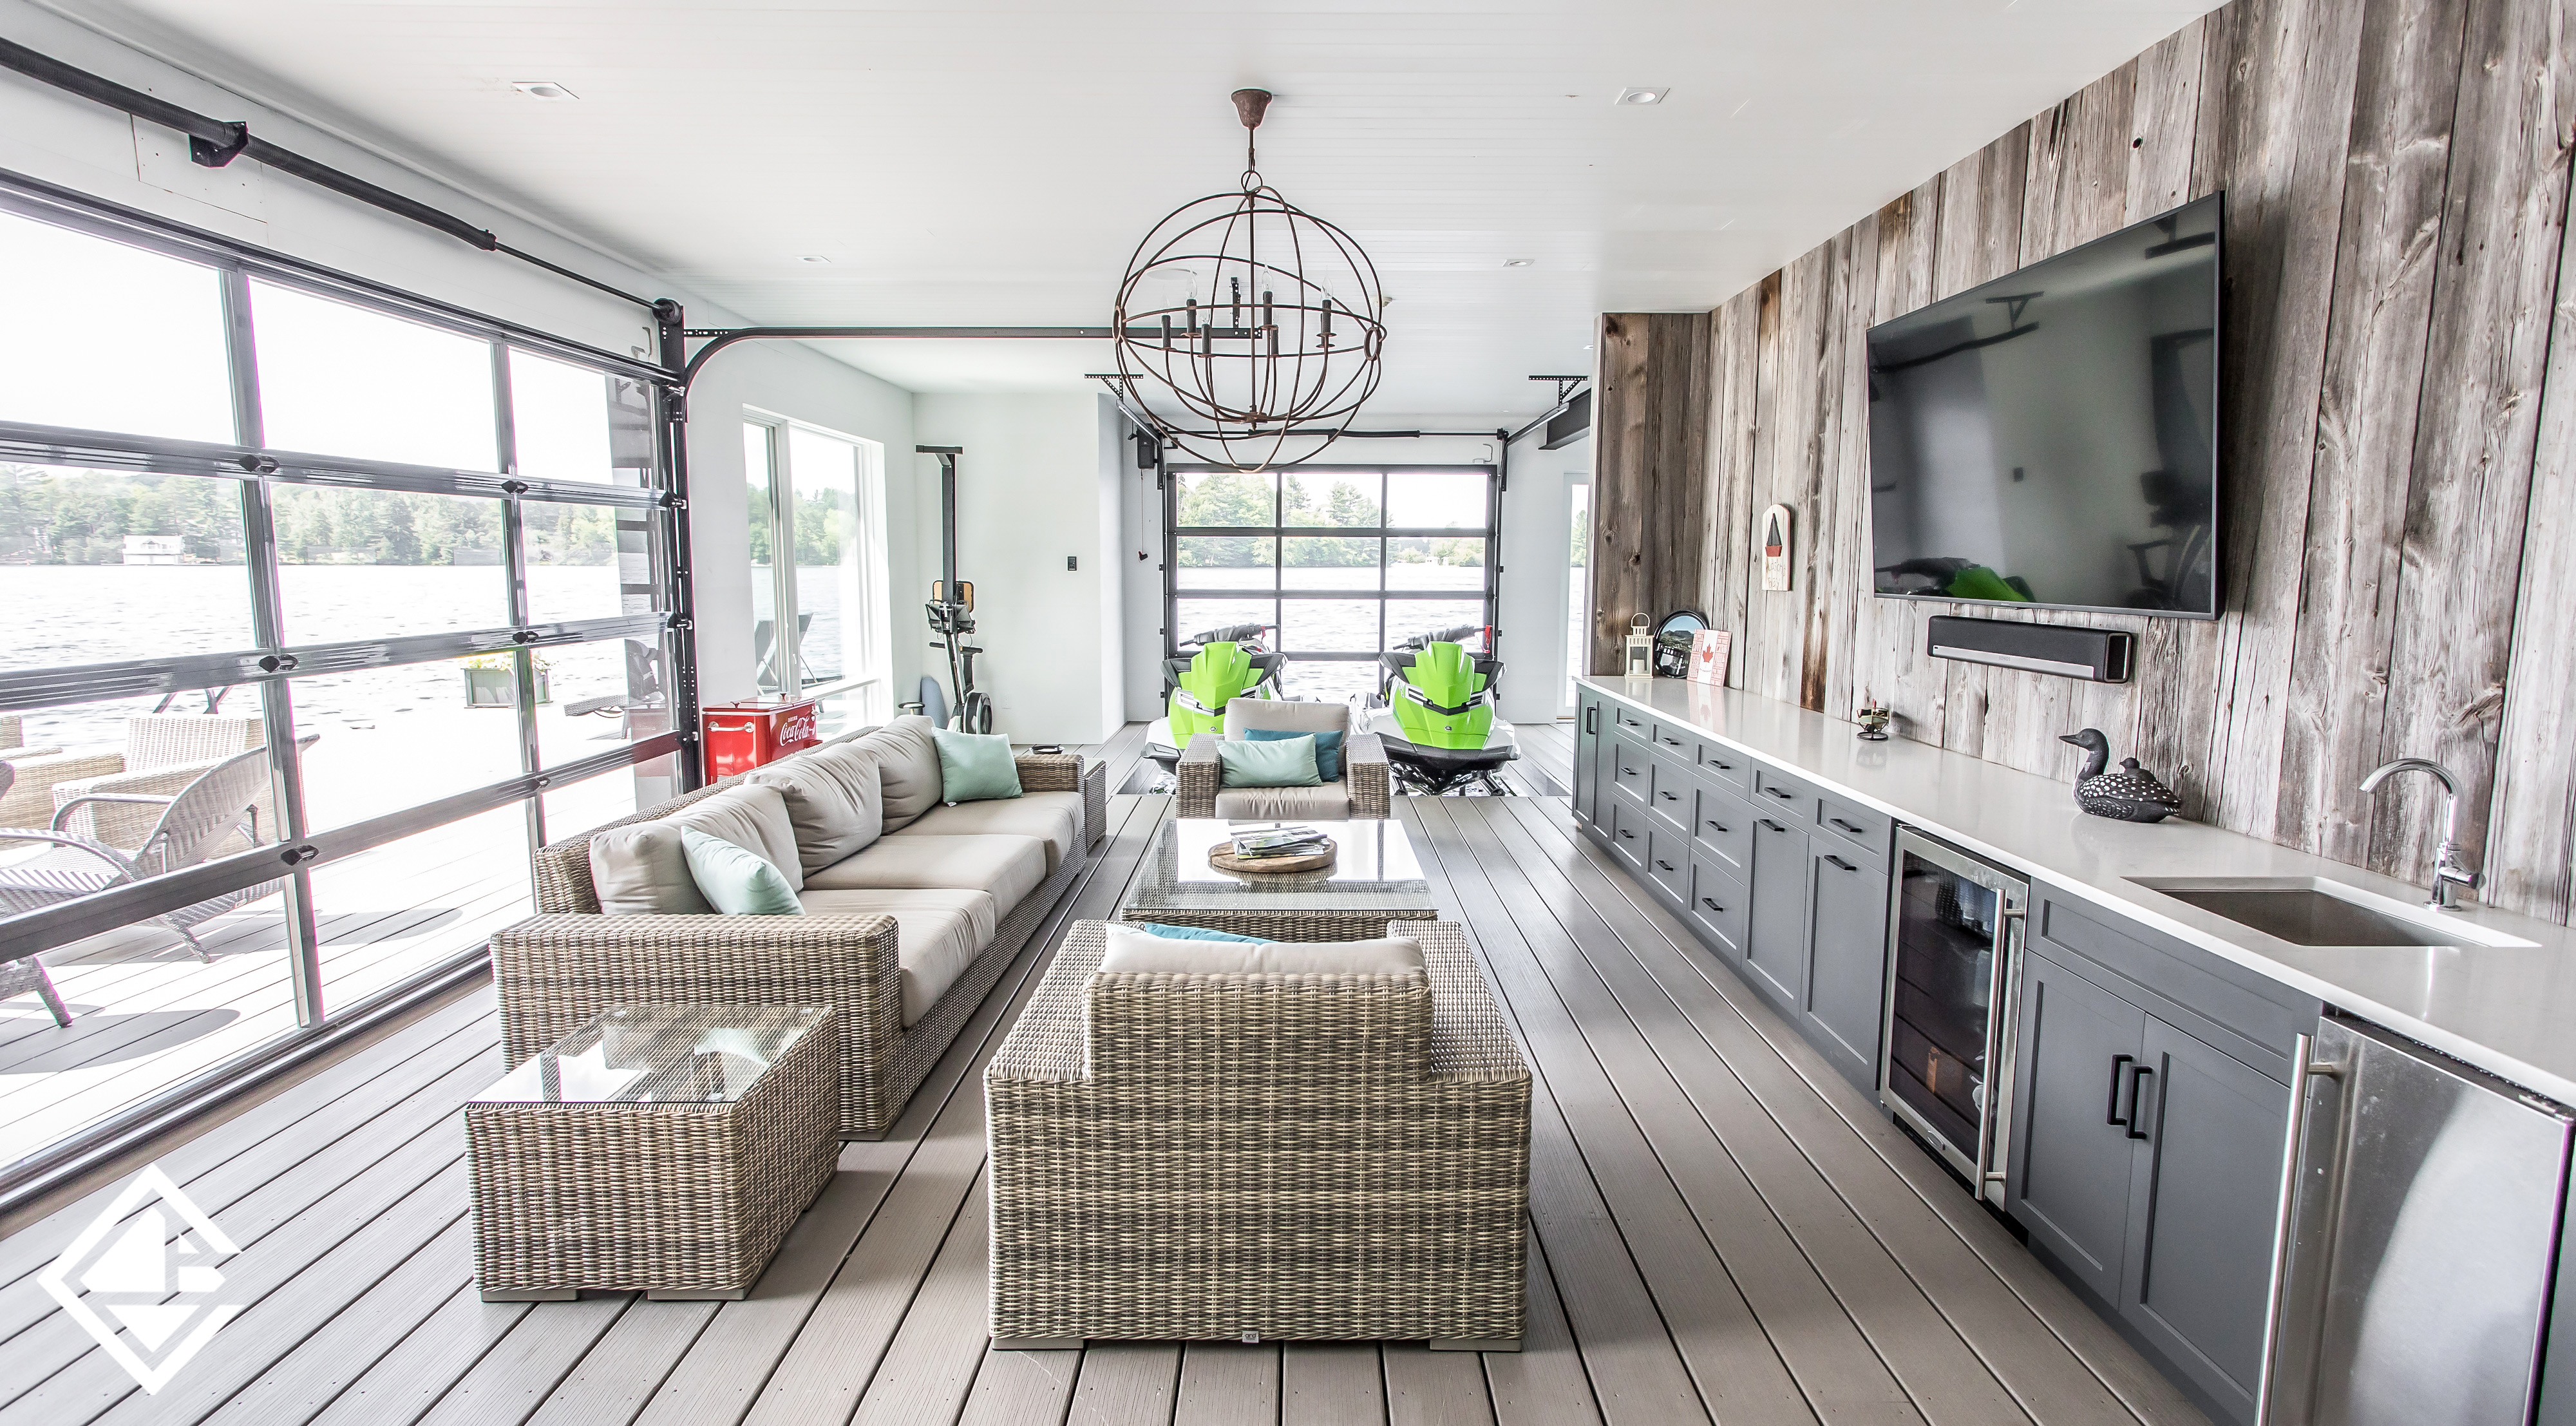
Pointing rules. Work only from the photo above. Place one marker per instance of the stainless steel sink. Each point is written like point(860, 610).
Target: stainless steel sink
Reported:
point(2315, 912)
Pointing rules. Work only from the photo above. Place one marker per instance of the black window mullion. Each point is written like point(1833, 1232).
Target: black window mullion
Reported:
point(268, 631)
point(514, 558)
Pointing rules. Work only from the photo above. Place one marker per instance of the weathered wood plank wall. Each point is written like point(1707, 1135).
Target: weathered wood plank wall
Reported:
point(2399, 373)
point(1651, 489)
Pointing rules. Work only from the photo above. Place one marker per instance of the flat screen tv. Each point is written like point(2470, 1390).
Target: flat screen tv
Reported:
point(2049, 440)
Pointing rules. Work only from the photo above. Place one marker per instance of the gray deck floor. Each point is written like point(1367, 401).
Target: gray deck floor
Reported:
point(1724, 1232)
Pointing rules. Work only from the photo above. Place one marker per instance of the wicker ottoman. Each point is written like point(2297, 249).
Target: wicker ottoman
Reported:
point(657, 1149)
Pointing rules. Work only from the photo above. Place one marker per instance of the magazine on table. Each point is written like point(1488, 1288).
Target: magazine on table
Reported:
point(1280, 841)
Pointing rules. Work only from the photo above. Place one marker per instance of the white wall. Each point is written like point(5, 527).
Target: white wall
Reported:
point(51, 135)
point(1538, 516)
point(1031, 492)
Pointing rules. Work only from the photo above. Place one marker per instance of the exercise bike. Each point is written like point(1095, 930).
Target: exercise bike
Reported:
point(951, 611)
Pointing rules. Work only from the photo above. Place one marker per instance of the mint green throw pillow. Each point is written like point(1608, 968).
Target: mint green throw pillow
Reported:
point(1288, 762)
point(975, 767)
point(736, 882)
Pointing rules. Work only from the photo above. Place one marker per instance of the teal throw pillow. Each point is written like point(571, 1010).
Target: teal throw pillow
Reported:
point(975, 767)
point(1186, 933)
point(1288, 762)
point(1328, 748)
point(736, 882)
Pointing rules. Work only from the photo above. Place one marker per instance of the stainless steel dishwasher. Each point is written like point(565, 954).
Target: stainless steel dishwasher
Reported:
point(1954, 935)
point(2421, 1210)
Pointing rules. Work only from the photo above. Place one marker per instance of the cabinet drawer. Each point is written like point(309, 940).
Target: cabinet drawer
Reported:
point(1780, 795)
point(1719, 909)
point(1728, 766)
point(1668, 862)
point(1630, 719)
point(1628, 823)
point(1672, 792)
point(1871, 831)
point(1722, 825)
point(1672, 738)
point(1630, 766)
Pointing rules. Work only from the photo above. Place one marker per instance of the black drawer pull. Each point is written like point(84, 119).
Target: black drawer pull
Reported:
point(1846, 826)
point(1668, 796)
point(1627, 771)
point(1783, 796)
point(1673, 742)
point(1837, 861)
point(2136, 1077)
point(1711, 905)
point(1668, 866)
point(1720, 826)
point(1721, 767)
point(1624, 832)
point(1769, 825)
point(2111, 1111)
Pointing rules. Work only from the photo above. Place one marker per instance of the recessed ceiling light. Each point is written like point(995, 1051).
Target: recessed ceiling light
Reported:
point(811, 257)
point(1648, 94)
point(1516, 262)
point(542, 89)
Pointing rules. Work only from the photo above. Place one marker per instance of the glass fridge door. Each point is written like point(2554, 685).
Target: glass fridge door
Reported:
point(1946, 939)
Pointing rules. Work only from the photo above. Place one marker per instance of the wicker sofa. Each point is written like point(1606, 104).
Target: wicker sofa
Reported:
point(850, 951)
point(1362, 791)
point(1242, 1157)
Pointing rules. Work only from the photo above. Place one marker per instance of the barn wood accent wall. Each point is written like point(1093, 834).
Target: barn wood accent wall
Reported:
point(1650, 472)
point(2399, 393)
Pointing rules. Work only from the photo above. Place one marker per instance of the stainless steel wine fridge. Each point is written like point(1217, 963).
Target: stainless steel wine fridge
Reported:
point(1954, 965)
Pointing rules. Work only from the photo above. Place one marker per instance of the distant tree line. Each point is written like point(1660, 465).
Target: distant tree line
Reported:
point(54, 516)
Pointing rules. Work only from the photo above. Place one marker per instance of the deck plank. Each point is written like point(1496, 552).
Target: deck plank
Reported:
point(1331, 1384)
point(1228, 1384)
point(1428, 1388)
point(1126, 1384)
point(1542, 1384)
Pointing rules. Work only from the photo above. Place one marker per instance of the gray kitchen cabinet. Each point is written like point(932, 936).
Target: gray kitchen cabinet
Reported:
point(2146, 1167)
point(1776, 940)
point(1587, 752)
point(1846, 958)
point(2202, 1211)
point(2071, 1161)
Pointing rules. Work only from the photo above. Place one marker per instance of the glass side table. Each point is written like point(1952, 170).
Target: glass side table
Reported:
point(1374, 879)
point(662, 1149)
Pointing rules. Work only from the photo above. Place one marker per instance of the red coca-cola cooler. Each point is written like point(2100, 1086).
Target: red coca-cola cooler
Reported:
point(742, 736)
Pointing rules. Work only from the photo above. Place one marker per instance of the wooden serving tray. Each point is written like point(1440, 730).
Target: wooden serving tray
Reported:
point(1224, 860)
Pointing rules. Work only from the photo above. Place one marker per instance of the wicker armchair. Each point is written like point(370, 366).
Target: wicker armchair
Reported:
point(557, 969)
point(1364, 789)
point(1244, 1157)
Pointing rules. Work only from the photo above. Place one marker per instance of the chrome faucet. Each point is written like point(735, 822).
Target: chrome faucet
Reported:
point(2449, 872)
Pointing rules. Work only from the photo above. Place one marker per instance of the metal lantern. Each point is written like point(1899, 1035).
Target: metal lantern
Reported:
point(1245, 322)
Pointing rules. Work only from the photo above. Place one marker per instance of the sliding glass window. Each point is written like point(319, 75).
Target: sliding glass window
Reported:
point(325, 605)
point(818, 562)
point(1338, 563)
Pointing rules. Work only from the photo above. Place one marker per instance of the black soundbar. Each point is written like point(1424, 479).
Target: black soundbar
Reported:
point(2066, 650)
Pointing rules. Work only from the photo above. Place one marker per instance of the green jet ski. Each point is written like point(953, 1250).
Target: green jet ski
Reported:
point(1229, 663)
point(1438, 725)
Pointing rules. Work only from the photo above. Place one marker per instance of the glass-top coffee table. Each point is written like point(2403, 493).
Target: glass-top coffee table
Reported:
point(662, 1149)
point(1374, 879)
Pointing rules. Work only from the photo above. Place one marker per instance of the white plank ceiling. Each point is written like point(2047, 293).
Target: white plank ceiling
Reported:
point(995, 162)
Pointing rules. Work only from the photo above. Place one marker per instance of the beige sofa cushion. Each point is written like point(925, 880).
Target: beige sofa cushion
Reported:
point(753, 818)
point(1325, 802)
point(937, 934)
point(639, 871)
point(1053, 817)
point(1130, 952)
point(1007, 868)
point(907, 767)
point(834, 801)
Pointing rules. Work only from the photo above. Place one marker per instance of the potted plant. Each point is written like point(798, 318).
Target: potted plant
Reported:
point(491, 680)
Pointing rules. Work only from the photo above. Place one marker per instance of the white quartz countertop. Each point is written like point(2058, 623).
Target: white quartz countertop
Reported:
point(2510, 1010)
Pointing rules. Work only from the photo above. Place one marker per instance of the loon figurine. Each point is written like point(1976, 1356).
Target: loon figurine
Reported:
point(2130, 795)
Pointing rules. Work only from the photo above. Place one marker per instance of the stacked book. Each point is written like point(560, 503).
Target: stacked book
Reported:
point(1281, 841)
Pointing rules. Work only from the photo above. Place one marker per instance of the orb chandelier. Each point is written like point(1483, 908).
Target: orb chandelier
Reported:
point(1246, 324)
